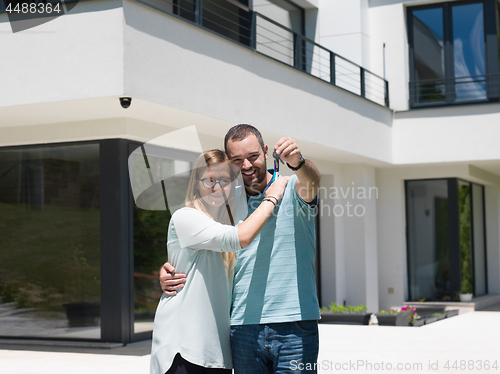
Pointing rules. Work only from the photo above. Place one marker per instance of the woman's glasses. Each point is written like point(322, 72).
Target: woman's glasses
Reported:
point(210, 183)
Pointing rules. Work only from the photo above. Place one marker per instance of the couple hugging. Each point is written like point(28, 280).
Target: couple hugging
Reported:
point(239, 289)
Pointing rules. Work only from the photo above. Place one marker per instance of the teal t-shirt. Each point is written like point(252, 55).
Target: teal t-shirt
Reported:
point(274, 277)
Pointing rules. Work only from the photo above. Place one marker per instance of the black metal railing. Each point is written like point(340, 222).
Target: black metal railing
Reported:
point(459, 90)
point(235, 21)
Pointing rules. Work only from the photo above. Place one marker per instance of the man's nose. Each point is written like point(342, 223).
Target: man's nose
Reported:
point(246, 164)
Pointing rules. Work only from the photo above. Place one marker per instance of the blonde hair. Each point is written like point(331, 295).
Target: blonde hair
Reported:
point(194, 199)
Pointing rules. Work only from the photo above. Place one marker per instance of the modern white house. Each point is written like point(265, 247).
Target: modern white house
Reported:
point(396, 102)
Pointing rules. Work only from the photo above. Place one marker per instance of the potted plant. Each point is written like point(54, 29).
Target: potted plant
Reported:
point(395, 317)
point(354, 315)
point(79, 311)
point(465, 294)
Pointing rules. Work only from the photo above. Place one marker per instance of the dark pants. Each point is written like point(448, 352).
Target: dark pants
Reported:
point(181, 366)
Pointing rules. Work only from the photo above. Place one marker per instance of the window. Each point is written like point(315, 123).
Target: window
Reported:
point(453, 53)
point(150, 225)
point(50, 241)
point(445, 239)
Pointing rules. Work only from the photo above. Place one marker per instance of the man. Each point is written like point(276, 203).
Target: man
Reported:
point(275, 308)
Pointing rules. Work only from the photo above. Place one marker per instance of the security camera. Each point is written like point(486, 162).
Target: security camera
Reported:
point(125, 102)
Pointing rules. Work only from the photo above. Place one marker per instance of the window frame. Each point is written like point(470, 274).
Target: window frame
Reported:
point(491, 53)
point(453, 234)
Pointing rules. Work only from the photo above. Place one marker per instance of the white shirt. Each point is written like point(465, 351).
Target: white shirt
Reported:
point(195, 322)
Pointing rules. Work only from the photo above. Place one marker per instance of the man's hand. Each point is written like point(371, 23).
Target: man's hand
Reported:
point(288, 150)
point(308, 176)
point(170, 280)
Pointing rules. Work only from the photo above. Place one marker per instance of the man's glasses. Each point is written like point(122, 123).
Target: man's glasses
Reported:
point(210, 183)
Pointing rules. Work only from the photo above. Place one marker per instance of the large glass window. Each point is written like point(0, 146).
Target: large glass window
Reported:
point(150, 224)
point(445, 239)
point(450, 60)
point(50, 241)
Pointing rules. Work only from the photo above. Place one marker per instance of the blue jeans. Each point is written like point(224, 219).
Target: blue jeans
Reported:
point(289, 347)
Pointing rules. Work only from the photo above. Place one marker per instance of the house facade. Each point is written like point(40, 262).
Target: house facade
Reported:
point(396, 102)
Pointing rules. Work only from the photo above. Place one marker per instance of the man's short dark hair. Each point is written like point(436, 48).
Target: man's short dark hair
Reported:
point(240, 132)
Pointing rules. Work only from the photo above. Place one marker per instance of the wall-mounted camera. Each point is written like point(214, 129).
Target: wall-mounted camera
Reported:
point(125, 102)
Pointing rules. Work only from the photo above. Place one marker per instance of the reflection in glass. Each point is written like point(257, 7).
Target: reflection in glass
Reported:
point(50, 245)
point(428, 243)
point(428, 48)
point(151, 225)
point(464, 204)
point(468, 51)
point(227, 19)
point(479, 240)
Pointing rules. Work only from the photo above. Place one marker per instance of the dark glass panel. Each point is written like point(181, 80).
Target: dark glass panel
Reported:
point(479, 240)
point(227, 19)
point(464, 205)
point(468, 52)
point(428, 49)
point(50, 241)
point(428, 240)
point(150, 228)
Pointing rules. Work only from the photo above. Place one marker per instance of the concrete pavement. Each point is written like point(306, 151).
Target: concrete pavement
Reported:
point(468, 343)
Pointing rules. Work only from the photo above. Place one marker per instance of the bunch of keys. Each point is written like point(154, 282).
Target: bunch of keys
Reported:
point(277, 161)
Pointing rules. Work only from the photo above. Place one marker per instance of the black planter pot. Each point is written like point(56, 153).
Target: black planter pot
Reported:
point(400, 319)
point(418, 322)
point(82, 314)
point(451, 313)
point(429, 310)
point(430, 319)
point(441, 316)
point(346, 318)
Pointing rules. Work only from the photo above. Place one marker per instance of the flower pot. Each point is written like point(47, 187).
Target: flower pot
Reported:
point(430, 319)
point(345, 318)
point(418, 322)
point(441, 316)
point(465, 297)
point(451, 313)
point(399, 319)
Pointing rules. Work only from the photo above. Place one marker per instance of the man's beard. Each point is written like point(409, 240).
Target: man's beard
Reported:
point(260, 175)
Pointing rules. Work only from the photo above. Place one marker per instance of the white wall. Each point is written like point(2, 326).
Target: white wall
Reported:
point(344, 29)
point(449, 134)
point(172, 63)
point(76, 56)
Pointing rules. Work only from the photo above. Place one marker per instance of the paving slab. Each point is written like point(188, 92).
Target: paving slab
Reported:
point(467, 343)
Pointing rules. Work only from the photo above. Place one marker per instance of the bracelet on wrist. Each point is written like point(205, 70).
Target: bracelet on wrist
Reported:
point(270, 200)
point(272, 197)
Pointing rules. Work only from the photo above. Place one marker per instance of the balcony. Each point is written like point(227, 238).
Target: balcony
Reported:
point(234, 21)
point(454, 91)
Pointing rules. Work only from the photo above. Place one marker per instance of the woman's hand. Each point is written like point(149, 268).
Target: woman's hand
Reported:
point(277, 188)
point(171, 281)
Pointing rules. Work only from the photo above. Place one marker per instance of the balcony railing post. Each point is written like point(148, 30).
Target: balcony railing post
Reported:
point(297, 51)
point(386, 92)
point(253, 30)
point(198, 12)
point(362, 82)
point(332, 68)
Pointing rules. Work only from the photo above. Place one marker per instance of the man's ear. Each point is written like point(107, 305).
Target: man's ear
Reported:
point(265, 151)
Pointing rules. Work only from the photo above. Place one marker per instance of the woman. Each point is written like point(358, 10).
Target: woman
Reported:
point(191, 330)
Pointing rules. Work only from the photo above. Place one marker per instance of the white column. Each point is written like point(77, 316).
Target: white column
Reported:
point(361, 269)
